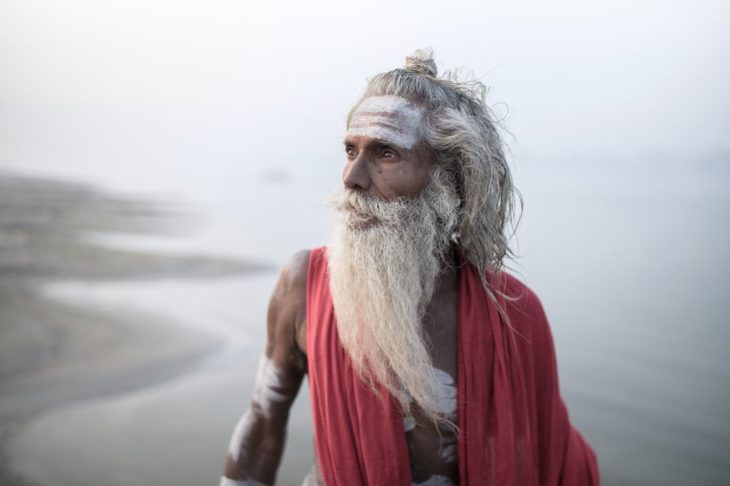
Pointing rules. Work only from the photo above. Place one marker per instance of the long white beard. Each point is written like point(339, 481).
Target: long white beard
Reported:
point(384, 261)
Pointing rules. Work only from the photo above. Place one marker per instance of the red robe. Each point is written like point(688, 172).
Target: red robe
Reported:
point(513, 425)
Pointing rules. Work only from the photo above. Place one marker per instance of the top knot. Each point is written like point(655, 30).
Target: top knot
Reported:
point(421, 62)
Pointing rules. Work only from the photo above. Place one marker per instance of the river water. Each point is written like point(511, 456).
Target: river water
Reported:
point(628, 257)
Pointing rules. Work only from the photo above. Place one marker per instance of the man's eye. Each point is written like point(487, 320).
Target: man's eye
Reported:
point(350, 151)
point(388, 154)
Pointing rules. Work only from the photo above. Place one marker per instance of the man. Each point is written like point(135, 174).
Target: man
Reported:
point(427, 363)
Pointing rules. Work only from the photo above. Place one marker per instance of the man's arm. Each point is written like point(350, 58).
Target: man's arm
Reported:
point(258, 439)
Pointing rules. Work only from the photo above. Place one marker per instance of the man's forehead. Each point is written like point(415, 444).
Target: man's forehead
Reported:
point(391, 118)
point(387, 103)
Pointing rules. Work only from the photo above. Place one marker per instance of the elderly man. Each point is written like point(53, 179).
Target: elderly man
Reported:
point(427, 363)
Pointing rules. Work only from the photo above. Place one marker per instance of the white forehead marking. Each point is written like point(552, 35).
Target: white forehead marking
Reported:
point(268, 386)
point(389, 118)
point(385, 103)
point(446, 393)
point(436, 480)
point(239, 482)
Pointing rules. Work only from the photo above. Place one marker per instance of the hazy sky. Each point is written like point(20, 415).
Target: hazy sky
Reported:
point(187, 87)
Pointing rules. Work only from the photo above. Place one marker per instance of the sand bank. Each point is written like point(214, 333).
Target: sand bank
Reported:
point(57, 354)
point(175, 432)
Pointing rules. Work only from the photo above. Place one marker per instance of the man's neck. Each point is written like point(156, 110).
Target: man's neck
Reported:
point(448, 278)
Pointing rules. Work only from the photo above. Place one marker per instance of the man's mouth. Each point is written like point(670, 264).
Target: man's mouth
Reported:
point(358, 219)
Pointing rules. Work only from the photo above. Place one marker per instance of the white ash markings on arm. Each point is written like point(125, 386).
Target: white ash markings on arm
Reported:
point(243, 427)
point(239, 482)
point(270, 386)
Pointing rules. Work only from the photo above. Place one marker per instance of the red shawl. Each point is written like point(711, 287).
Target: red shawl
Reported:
point(514, 427)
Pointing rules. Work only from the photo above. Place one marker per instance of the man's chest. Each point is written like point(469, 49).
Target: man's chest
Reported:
point(432, 450)
point(440, 328)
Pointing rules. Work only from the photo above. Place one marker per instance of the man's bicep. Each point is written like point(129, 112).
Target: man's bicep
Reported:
point(286, 311)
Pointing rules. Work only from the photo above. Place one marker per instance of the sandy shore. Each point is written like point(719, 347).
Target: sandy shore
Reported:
point(60, 354)
point(54, 354)
point(174, 432)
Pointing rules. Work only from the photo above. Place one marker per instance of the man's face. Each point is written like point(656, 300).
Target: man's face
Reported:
point(386, 154)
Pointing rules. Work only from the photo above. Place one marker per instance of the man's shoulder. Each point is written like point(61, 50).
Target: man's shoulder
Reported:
point(287, 307)
point(298, 265)
point(293, 278)
point(295, 273)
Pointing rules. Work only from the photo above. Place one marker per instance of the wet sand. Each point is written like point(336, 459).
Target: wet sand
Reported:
point(59, 353)
point(55, 354)
point(176, 431)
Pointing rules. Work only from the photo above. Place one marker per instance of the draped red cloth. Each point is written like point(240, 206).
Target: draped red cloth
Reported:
point(514, 427)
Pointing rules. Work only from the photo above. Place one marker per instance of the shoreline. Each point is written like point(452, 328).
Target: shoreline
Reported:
point(61, 351)
point(176, 431)
point(60, 354)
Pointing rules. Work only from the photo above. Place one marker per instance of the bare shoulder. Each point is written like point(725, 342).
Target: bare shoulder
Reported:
point(288, 304)
point(297, 268)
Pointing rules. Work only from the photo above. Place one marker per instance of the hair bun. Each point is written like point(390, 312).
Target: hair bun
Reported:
point(421, 62)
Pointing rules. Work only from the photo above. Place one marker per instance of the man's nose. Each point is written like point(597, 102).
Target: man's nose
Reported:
point(356, 175)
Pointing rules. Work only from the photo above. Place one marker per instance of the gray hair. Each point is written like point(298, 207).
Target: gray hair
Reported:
point(465, 137)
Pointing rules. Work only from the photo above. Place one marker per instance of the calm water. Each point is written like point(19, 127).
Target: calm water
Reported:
point(633, 270)
point(630, 261)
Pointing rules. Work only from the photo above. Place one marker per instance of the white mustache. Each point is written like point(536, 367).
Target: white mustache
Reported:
point(361, 206)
